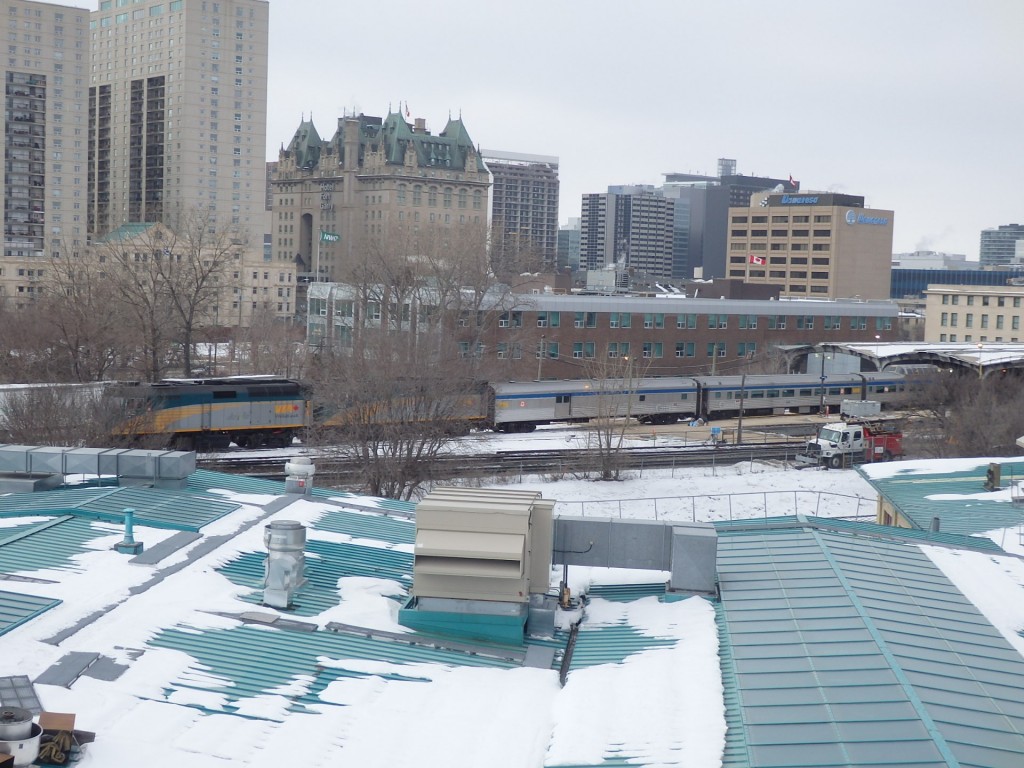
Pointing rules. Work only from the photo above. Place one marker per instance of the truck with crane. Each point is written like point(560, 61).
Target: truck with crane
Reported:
point(862, 436)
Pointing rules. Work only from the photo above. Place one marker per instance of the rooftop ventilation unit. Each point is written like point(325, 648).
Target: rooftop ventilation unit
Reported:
point(479, 555)
point(286, 561)
point(19, 736)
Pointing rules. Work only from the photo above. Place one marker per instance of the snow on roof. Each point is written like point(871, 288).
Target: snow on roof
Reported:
point(834, 642)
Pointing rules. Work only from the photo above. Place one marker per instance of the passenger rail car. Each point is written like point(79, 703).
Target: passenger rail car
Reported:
point(210, 413)
point(522, 406)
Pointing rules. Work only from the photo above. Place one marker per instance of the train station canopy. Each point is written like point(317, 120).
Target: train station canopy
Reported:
point(980, 357)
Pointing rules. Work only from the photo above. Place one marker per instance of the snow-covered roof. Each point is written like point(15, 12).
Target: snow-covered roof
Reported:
point(833, 643)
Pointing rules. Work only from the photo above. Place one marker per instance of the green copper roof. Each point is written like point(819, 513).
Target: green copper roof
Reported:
point(958, 498)
point(306, 144)
point(852, 650)
point(16, 609)
point(127, 232)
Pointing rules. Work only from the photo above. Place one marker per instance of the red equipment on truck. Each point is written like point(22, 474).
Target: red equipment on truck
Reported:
point(863, 436)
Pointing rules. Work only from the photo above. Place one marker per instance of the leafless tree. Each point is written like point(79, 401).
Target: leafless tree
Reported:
point(81, 314)
point(65, 415)
point(404, 386)
point(966, 415)
point(170, 281)
point(614, 382)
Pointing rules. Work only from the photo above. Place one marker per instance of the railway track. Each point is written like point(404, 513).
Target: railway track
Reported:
point(334, 471)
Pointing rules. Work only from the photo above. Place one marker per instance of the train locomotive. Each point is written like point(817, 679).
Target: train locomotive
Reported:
point(208, 414)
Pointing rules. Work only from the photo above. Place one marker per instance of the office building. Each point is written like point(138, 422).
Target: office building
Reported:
point(701, 215)
point(568, 256)
point(999, 244)
point(374, 179)
point(974, 314)
point(44, 181)
point(813, 245)
point(524, 207)
point(627, 228)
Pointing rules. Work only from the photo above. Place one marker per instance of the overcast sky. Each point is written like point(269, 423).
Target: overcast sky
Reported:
point(916, 104)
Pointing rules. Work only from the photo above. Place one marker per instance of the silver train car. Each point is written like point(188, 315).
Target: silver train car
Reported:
point(523, 406)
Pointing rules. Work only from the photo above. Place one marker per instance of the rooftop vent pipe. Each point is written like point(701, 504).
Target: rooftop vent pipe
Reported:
point(298, 475)
point(286, 561)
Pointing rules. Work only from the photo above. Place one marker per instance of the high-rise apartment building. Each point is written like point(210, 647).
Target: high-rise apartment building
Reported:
point(524, 205)
point(813, 245)
point(375, 179)
point(628, 226)
point(177, 114)
point(999, 244)
point(44, 75)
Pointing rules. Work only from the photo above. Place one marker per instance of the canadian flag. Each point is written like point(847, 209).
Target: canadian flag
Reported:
point(759, 260)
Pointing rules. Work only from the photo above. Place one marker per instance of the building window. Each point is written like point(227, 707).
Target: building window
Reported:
point(620, 320)
point(684, 349)
point(748, 321)
point(686, 322)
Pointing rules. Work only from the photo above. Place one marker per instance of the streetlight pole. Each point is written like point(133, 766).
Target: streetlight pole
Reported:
point(821, 406)
point(540, 355)
point(981, 367)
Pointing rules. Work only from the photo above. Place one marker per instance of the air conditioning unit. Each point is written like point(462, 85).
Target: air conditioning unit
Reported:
point(648, 324)
point(502, 355)
point(462, 323)
point(577, 353)
point(503, 323)
point(542, 323)
point(578, 324)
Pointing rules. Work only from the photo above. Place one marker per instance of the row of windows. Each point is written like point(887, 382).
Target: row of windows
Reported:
point(968, 338)
point(954, 299)
point(821, 218)
point(659, 321)
point(587, 350)
point(952, 320)
point(781, 233)
point(446, 196)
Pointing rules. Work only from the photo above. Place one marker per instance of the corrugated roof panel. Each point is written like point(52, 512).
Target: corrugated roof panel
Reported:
point(326, 563)
point(611, 644)
point(159, 508)
point(369, 525)
point(16, 609)
point(247, 660)
point(48, 545)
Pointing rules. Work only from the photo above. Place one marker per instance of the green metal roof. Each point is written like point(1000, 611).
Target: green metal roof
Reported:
point(326, 562)
point(204, 480)
point(859, 528)
point(154, 507)
point(127, 231)
point(975, 511)
point(16, 609)
point(247, 660)
point(50, 544)
point(853, 651)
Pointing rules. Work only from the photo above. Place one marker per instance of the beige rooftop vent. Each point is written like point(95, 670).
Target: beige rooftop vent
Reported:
point(478, 544)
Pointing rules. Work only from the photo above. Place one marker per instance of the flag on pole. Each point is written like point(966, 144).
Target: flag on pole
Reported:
point(759, 260)
point(329, 237)
point(407, 109)
point(793, 182)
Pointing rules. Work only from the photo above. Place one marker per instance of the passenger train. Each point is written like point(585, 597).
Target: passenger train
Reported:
point(522, 406)
point(254, 411)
